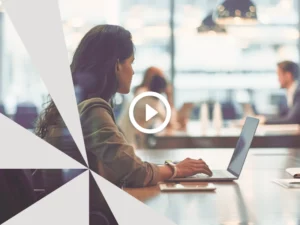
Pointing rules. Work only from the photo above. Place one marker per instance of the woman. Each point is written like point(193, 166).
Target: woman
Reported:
point(145, 85)
point(101, 67)
point(176, 120)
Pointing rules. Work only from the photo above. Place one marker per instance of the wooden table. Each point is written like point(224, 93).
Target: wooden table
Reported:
point(253, 199)
point(267, 136)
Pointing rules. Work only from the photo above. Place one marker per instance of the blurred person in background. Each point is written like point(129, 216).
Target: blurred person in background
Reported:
point(288, 77)
point(157, 84)
point(168, 92)
point(145, 85)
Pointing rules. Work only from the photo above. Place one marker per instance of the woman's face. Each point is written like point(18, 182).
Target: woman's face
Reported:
point(124, 73)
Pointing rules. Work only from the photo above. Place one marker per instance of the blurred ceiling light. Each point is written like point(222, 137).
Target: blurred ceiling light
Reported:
point(236, 12)
point(208, 25)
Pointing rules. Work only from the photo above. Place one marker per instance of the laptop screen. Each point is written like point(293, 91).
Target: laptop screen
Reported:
point(242, 146)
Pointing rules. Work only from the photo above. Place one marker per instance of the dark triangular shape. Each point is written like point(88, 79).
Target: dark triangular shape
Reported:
point(16, 193)
point(20, 188)
point(100, 212)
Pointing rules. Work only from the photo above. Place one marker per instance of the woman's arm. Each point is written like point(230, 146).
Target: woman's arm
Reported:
point(165, 172)
point(116, 159)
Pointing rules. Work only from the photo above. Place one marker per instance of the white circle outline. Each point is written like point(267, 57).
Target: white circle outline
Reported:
point(154, 130)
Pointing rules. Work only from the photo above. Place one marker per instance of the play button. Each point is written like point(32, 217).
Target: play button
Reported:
point(150, 112)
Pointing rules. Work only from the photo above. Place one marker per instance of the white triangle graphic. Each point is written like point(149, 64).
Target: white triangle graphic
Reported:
point(68, 204)
point(39, 26)
point(127, 209)
point(22, 149)
point(150, 112)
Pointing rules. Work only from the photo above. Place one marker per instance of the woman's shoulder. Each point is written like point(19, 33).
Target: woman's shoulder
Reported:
point(93, 103)
point(95, 112)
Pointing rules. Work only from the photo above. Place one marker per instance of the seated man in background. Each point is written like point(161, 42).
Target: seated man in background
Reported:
point(288, 76)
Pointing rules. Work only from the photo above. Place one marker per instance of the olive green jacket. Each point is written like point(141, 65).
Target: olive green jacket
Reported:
point(115, 158)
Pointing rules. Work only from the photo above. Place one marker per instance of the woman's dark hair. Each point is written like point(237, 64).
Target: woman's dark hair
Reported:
point(158, 84)
point(93, 68)
point(149, 73)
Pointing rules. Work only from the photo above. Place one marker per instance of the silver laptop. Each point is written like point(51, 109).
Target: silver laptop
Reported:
point(237, 160)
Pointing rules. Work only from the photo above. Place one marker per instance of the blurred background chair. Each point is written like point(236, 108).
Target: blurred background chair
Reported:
point(26, 115)
point(280, 102)
point(231, 111)
point(2, 109)
point(16, 192)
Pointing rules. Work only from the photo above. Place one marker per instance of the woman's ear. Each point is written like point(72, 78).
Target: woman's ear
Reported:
point(117, 67)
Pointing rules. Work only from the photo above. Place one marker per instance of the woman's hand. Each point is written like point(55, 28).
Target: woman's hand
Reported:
point(190, 167)
point(185, 168)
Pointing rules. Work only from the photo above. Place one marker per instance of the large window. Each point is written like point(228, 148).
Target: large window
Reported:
point(148, 21)
point(207, 66)
point(19, 80)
